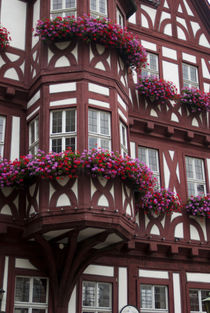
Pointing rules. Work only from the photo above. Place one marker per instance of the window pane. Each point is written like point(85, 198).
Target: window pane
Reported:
point(189, 167)
point(70, 121)
point(92, 142)
point(194, 301)
point(88, 294)
point(160, 297)
point(2, 119)
point(70, 143)
point(104, 295)
point(57, 145)
point(92, 121)
point(146, 297)
point(153, 62)
point(1, 149)
point(39, 290)
point(102, 6)
point(22, 289)
point(200, 189)
point(142, 154)
point(38, 311)
point(153, 160)
point(185, 72)
point(105, 144)
point(193, 74)
point(104, 121)
point(57, 4)
point(32, 132)
point(57, 122)
point(191, 189)
point(19, 310)
point(93, 5)
point(198, 169)
point(70, 4)
point(204, 295)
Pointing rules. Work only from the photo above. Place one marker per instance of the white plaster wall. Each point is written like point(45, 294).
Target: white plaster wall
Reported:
point(132, 18)
point(171, 73)
point(24, 263)
point(169, 53)
point(13, 17)
point(133, 149)
point(188, 57)
point(122, 287)
point(36, 17)
point(15, 138)
point(72, 302)
point(98, 89)
point(100, 270)
point(153, 274)
point(177, 295)
point(64, 87)
point(151, 12)
point(198, 277)
point(149, 45)
point(5, 281)
point(99, 103)
point(122, 115)
point(35, 98)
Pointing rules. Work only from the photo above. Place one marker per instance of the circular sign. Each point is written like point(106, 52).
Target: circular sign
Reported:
point(129, 309)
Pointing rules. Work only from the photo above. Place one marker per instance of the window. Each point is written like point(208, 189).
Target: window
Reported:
point(190, 76)
point(151, 159)
point(31, 295)
point(196, 297)
point(2, 134)
point(63, 130)
point(195, 176)
point(123, 139)
point(63, 8)
point(154, 297)
point(34, 136)
point(96, 297)
point(120, 19)
point(99, 134)
point(151, 68)
point(98, 8)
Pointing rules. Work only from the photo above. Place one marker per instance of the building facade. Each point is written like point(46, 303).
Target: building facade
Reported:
point(79, 245)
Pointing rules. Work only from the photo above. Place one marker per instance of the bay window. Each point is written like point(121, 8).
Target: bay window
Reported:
point(153, 298)
point(99, 130)
point(63, 8)
point(31, 295)
point(196, 183)
point(63, 130)
point(34, 136)
point(96, 297)
point(2, 134)
point(98, 8)
point(151, 159)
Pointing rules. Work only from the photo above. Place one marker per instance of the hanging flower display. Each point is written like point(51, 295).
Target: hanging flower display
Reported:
point(4, 37)
point(161, 202)
point(199, 206)
point(195, 99)
point(156, 89)
point(109, 165)
point(98, 30)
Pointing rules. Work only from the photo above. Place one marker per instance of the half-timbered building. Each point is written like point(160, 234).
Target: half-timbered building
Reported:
point(79, 245)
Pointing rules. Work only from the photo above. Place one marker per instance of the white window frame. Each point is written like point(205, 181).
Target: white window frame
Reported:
point(156, 174)
point(199, 299)
point(193, 180)
point(148, 71)
point(153, 309)
point(63, 134)
point(2, 141)
point(98, 135)
point(123, 139)
point(120, 18)
point(189, 82)
point(97, 12)
point(34, 145)
point(30, 305)
point(96, 308)
point(64, 11)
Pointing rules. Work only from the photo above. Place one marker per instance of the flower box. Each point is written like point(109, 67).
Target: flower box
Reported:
point(98, 30)
point(4, 38)
point(198, 206)
point(195, 99)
